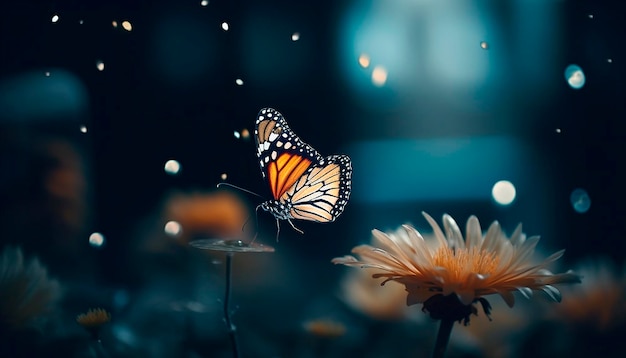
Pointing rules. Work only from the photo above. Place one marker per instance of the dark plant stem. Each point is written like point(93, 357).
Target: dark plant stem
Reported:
point(98, 349)
point(445, 328)
point(230, 327)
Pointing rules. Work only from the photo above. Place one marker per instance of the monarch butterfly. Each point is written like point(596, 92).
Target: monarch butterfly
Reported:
point(304, 185)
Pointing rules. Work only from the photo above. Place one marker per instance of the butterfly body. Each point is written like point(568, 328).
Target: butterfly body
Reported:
point(304, 185)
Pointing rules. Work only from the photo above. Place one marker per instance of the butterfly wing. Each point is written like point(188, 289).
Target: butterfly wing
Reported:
point(322, 193)
point(283, 157)
point(305, 185)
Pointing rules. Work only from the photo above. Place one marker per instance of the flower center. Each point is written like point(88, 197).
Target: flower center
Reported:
point(462, 261)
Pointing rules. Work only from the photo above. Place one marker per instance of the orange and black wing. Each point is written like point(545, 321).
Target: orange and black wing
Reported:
point(283, 157)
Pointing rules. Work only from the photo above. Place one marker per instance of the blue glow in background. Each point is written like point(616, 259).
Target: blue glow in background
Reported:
point(445, 169)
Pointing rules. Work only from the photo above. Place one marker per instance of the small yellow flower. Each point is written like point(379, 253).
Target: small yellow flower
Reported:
point(468, 268)
point(94, 318)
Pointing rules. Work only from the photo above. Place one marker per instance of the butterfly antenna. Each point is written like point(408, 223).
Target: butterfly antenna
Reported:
point(239, 188)
point(277, 229)
point(256, 217)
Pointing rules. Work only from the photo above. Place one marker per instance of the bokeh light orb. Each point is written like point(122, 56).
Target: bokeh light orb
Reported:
point(204, 2)
point(245, 133)
point(581, 202)
point(114, 24)
point(364, 60)
point(173, 228)
point(575, 76)
point(83, 129)
point(96, 239)
point(484, 45)
point(127, 25)
point(239, 82)
point(172, 167)
point(100, 65)
point(55, 18)
point(503, 192)
point(225, 26)
point(224, 176)
point(236, 134)
point(379, 76)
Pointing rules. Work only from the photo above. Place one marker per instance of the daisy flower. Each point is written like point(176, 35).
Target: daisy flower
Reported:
point(450, 274)
point(27, 294)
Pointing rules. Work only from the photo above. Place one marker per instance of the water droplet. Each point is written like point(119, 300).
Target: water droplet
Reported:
point(96, 239)
point(239, 82)
point(172, 167)
point(173, 228)
point(295, 36)
point(379, 76)
point(83, 129)
point(237, 134)
point(225, 26)
point(55, 18)
point(100, 65)
point(580, 200)
point(484, 45)
point(364, 60)
point(204, 2)
point(127, 25)
point(575, 76)
point(503, 192)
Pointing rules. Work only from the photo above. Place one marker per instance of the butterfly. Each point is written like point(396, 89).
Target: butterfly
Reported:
point(304, 185)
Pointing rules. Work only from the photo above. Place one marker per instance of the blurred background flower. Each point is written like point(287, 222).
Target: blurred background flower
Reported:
point(589, 321)
point(28, 297)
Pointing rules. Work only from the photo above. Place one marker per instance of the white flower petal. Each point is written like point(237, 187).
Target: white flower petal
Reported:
point(526, 292)
point(517, 238)
point(473, 233)
point(525, 251)
point(441, 238)
point(421, 254)
point(492, 238)
point(455, 238)
point(552, 292)
point(508, 297)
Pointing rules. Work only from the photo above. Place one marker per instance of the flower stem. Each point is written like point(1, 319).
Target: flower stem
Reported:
point(445, 328)
point(229, 325)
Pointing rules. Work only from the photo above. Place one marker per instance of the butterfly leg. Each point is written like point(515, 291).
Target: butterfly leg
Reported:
point(294, 227)
point(277, 229)
point(256, 222)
